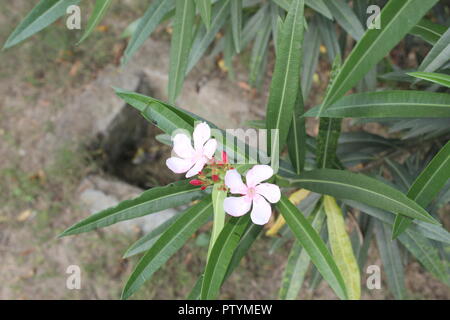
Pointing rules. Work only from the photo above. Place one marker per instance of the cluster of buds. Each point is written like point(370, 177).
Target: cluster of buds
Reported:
point(213, 172)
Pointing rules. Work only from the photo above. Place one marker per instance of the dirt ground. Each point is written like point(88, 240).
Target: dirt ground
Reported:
point(38, 189)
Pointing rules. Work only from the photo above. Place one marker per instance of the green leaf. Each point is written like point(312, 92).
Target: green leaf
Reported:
point(433, 178)
point(439, 78)
point(313, 244)
point(205, 37)
point(429, 31)
point(169, 243)
point(342, 248)
point(147, 24)
point(204, 7)
point(259, 51)
point(311, 54)
point(166, 117)
point(247, 239)
point(180, 47)
point(424, 251)
point(397, 18)
point(147, 241)
point(320, 7)
point(346, 18)
point(347, 185)
point(430, 231)
point(317, 5)
point(236, 23)
point(150, 201)
point(414, 239)
point(298, 263)
point(221, 256)
point(427, 185)
point(101, 6)
point(42, 15)
point(297, 136)
point(218, 196)
point(388, 104)
point(438, 55)
point(285, 81)
point(329, 129)
point(391, 258)
point(329, 37)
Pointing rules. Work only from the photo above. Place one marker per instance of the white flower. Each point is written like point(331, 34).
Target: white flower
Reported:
point(192, 160)
point(253, 193)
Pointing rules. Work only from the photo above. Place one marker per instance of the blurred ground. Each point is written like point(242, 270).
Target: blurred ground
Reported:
point(40, 174)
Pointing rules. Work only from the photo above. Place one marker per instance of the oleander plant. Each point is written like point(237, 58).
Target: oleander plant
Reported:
point(334, 195)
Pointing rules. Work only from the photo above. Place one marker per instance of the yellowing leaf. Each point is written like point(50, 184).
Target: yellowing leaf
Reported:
point(295, 198)
point(341, 248)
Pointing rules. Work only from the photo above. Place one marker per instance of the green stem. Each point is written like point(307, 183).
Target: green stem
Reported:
point(218, 196)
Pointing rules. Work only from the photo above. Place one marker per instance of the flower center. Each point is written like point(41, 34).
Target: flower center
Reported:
point(251, 192)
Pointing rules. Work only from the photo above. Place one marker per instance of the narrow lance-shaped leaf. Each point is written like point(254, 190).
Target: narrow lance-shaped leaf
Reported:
point(391, 258)
point(42, 15)
point(317, 5)
point(205, 37)
point(100, 9)
point(397, 18)
point(388, 104)
point(341, 248)
point(310, 57)
point(439, 78)
point(236, 22)
point(147, 241)
point(429, 31)
point(329, 129)
point(343, 184)
point(346, 18)
point(153, 200)
point(169, 243)
point(438, 55)
point(430, 231)
point(313, 244)
point(180, 46)
point(247, 239)
point(297, 135)
point(221, 256)
point(204, 7)
point(285, 81)
point(259, 50)
point(427, 185)
point(415, 239)
point(147, 24)
point(298, 263)
point(218, 196)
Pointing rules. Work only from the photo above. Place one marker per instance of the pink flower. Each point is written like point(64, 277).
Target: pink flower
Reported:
point(254, 194)
point(192, 159)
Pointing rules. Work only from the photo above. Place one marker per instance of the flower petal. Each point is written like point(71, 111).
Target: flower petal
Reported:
point(209, 148)
point(233, 180)
point(269, 191)
point(198, 166)
point(178, 165)
point(202, 132)
point(261, 211)
point(257, 174)
point(182, 146)
point(237, 206)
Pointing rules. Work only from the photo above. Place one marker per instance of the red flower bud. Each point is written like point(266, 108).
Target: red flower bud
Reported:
point(224, 157)
point(202, 187)
point(215, 177)
point(196, 182)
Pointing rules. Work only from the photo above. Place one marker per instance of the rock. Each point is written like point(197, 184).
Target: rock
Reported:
point(99, 193)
